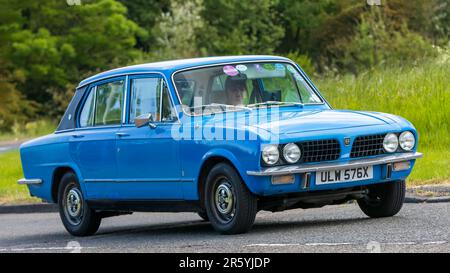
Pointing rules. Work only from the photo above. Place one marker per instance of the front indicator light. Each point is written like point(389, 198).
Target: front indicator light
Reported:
point(401, 166)
point(283, 179)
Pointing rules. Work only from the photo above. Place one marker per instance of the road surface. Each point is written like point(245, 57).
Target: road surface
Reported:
point(344, 228)
point(10, 145)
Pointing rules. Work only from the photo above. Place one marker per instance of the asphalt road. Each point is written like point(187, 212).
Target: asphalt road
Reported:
point(417, 228)
point(9, 145)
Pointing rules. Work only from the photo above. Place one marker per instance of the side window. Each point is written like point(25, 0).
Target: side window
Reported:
point(146, 98)
point(87, 113)
point(109, 103)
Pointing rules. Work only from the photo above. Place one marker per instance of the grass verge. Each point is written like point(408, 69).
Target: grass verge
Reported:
point(10, 172)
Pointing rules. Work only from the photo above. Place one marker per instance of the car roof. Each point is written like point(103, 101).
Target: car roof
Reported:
point(170, 66)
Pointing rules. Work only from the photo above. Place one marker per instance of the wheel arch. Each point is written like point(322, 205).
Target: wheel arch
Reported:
point(58, 173)
point(209, 161)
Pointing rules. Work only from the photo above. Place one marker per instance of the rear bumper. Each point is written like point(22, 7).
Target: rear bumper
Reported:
point(24, 181)
point(283, 170)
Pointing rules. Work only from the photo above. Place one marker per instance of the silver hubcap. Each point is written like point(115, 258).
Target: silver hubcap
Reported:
point(224, 199)
point(74, 206)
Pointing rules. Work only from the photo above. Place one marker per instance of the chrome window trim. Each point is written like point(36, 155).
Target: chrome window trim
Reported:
point(133, 180)
point(294, 169)
point(324, 101)
point(95, 105)
point(98, 127)
point(125, 106)
point(161, 88)
point(125, 100)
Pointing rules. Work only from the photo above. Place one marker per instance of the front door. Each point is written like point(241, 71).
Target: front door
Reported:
point(148, 163)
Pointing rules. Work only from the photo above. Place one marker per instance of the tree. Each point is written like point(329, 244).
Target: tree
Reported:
point(301, 19)
point(146, 13)
point(51, 45)
point(176, 32)
point(240, 27)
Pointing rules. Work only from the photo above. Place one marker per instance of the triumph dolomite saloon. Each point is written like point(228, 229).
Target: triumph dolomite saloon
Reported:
point(224, 137)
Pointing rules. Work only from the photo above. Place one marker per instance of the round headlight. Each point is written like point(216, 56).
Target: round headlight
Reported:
point(407, 140)
point(291, 153)
point(270, 154)
point(390, 143)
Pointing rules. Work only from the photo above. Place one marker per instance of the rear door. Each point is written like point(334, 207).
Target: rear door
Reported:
point(93, 143)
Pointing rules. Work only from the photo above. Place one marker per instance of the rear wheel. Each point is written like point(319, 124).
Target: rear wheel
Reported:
point(230, 206)
point(77, 217)
point(383, 200)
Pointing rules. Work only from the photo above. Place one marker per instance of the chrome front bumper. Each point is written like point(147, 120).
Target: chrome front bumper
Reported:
point(282, 170)
point(24, 181)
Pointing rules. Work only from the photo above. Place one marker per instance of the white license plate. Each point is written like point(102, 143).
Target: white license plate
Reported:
point(344, 175)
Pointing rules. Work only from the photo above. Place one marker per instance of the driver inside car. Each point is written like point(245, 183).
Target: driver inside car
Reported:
point(235, 91)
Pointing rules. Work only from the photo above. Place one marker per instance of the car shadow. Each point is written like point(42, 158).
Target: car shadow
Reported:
point(201, 228)
point(194, 230)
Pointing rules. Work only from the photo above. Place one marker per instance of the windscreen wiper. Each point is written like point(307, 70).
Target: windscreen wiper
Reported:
point(222, 106)
point(271, 102)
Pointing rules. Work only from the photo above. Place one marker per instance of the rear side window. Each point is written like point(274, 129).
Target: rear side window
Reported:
point(109, 103)
point(104, 105)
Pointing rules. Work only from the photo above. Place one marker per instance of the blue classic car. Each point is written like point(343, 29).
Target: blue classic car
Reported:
point(224, 137)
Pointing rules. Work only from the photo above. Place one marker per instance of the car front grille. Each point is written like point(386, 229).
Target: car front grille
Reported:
point(368, 146)
point(320, 150)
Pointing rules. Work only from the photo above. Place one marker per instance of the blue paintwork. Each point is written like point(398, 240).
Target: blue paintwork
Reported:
point(150, 165)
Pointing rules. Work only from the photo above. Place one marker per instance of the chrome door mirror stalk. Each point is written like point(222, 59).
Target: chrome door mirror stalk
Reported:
point(143, 120)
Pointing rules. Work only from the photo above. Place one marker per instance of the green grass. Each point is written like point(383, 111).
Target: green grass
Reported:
point(10, 165)
point(420, 94)
point(10, 172)
point(29, 130)
point(433, 168)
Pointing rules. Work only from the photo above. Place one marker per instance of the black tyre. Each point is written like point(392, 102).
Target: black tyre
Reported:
point(383, 200)
point(230, 206)
point(203, 215)
point(77, 217)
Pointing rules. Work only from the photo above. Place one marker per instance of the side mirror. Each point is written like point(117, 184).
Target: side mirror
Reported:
point(143, 120)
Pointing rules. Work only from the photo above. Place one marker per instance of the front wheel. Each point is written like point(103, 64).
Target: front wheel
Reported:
point(230, 206)
point(383, 200)
point(77, 217)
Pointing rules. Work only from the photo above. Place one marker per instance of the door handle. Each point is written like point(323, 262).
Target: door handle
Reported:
point(77, 136)
point(122, 134)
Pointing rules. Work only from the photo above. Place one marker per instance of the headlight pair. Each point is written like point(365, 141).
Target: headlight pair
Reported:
point(406, 140)
point(271, 154)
